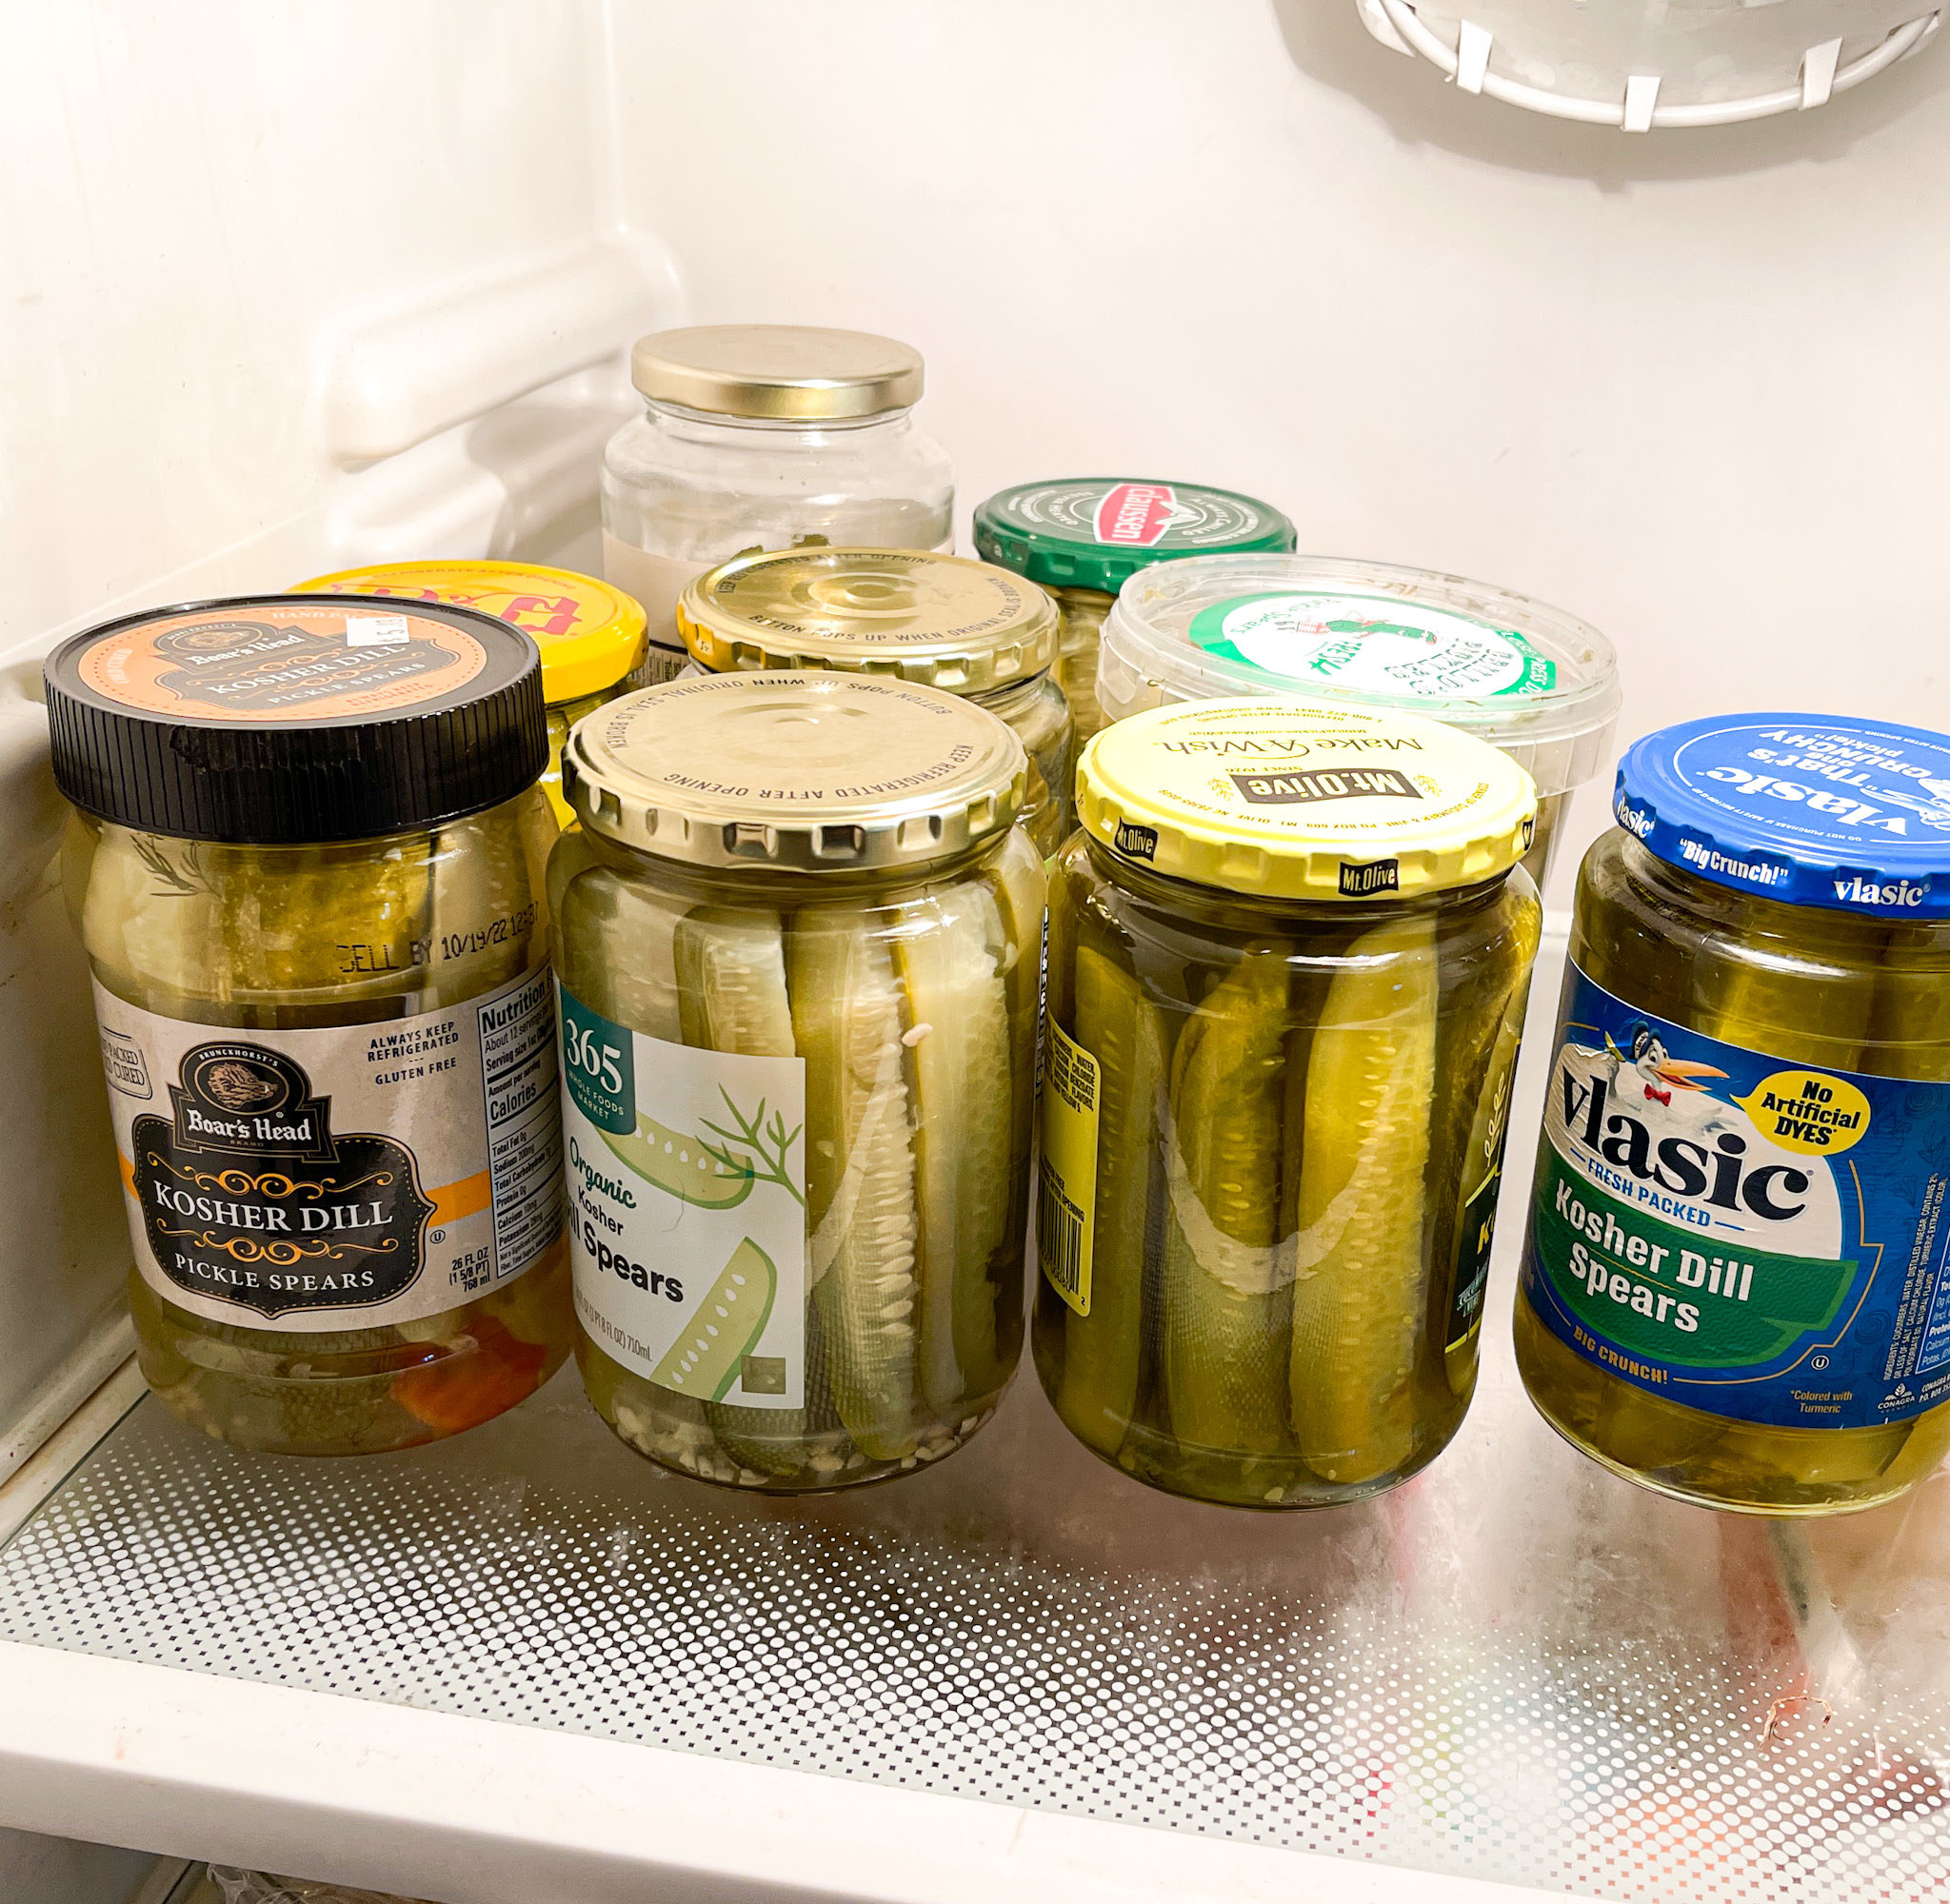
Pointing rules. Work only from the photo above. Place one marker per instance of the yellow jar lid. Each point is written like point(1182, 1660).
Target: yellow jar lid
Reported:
point(1289, 800)
point(591, 634)
point(939, 620)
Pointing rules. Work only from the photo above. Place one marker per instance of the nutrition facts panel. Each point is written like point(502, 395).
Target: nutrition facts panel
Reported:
point(523, 1134)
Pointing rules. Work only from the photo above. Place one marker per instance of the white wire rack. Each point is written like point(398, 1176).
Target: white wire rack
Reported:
point(1471, 60)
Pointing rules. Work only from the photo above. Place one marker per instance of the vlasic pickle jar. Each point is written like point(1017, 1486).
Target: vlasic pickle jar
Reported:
point(798, 947)
point(1289, 947)
point(1083, 539)
point(1736, 1287)
point(592, 635)
point(1530, 679)
point(939, 620)
point(308, 861)
point(764, 436)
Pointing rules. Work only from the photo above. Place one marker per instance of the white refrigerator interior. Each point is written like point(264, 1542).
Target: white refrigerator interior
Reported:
point(290, 287)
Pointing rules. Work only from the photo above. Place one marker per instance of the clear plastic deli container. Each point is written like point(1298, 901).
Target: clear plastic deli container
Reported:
point(1533, 680)
point(764, 436)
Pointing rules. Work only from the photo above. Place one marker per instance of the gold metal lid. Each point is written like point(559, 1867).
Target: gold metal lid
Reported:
point(939, 620)
point(805, 772)
point(1284, 800)
point(788, 371)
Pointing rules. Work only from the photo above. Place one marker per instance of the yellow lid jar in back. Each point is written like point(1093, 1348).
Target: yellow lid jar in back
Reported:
point(1289, 947)
point(940, 621)
point(592, 635)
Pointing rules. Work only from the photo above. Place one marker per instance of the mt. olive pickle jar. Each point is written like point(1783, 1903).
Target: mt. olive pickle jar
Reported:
point(1538, 682)
point(592, 635)
point(797, 941)
point(758, 436)
point(1736, 1286)
point(308, 857)
point(1289, 948)
point(1083, 539)
point(940, 619)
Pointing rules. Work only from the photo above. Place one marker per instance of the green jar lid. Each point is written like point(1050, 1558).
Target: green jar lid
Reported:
point(1094, 531)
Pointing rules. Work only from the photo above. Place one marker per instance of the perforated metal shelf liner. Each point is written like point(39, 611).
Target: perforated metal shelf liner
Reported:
point(1515, 1667)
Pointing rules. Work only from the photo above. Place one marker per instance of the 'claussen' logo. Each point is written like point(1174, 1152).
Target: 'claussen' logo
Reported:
point(1136, 515)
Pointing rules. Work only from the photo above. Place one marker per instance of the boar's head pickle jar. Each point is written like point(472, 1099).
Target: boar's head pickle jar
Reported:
point(798, 948)
point(592, 635)
point(1083, 539)
point(1736, 1288)
point(1289, 947)
point(1530, 679)
point(759, 436)
point(940, 619)
point(308, 856)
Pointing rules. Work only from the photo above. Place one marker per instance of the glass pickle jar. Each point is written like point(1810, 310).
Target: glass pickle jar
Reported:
point(590, 635)
point(1083, 539)
point(1289, 947)
point(797, 944)
point(1736, 1288)
point(307, 858)
point(758, 436)
point(940, 619)
point(1538, 682)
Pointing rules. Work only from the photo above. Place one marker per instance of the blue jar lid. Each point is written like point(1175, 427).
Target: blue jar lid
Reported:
point(1805, 808)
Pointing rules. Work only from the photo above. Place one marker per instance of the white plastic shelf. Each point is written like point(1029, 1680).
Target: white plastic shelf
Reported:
point(526, 1655)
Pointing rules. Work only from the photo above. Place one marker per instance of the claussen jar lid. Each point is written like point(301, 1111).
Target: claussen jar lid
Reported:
point(804, 772)
point(591, 634)
point(1533, 680)
point(939, 620)
point(786, 373)
point(1286, 800)
point(1098, 531)
point(1853, 816)
point(285, 719)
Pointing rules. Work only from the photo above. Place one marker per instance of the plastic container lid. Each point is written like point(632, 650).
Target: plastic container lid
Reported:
point(786, 373)
point(939, 620)
point(1295, 800)
point(1098, 531)
point(591, 634)
point(1528, 678)
point(1853, 816)
point(287, 720)
point(805, 772)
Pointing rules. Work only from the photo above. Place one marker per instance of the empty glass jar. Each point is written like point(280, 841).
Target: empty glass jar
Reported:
point(764, 436)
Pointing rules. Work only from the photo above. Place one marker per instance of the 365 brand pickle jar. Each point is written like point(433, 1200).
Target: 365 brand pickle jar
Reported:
point(309, 859)
point(1534, 681)
point(590, 635)
point(1083, 539)
point(759, 436)
point(798, 946)
point(1289, 947)
point(1737, 1287)
point(909, 614)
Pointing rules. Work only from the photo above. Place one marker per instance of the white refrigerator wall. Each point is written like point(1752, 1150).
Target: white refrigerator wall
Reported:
point(287, 287)
point(1691, 385)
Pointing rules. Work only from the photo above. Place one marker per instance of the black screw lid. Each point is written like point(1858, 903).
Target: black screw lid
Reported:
point(281, 719)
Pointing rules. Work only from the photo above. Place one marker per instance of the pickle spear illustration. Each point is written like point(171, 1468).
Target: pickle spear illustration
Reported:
point(1358, 1295)
point(860, 1172)
point(1227, 1307)
point(1101, 1350)
point(705, 1361)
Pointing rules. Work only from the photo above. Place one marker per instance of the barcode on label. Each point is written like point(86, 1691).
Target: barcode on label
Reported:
point(376, 631)
point(1058, 1235)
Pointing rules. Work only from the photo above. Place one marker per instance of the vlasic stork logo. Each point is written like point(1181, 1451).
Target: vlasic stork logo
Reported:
point(1136, 515)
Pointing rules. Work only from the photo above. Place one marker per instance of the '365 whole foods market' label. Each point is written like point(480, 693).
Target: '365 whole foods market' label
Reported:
point(355, 1177)
point(687, 1171)
point(1762, 1239)
point(1373, 644)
